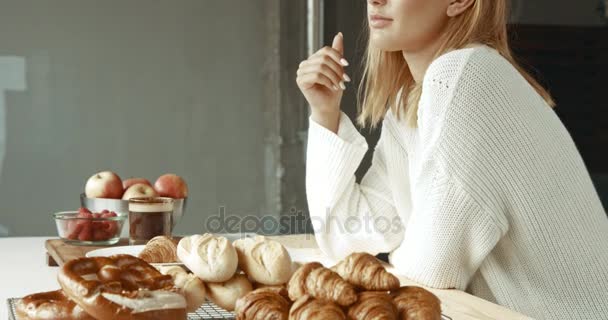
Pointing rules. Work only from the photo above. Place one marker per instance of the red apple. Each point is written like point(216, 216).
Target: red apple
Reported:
point(139, 190)
point(104, 184)
point(131, 181)
point(171, 185)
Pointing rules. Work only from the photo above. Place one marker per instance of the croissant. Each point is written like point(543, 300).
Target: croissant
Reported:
point(416, 303)
point(373, 305)
point(262, 304)
point(160, 249)
point(321, 283)
point(308, 308)
point(365, 271)
point(296, 287)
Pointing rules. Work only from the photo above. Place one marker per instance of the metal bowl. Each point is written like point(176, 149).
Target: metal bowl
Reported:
point(122, 206)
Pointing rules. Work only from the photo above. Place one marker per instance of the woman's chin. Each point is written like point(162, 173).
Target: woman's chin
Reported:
point(383, 43)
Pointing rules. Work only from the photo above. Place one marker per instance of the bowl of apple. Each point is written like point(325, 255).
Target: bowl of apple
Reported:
point(107, 191)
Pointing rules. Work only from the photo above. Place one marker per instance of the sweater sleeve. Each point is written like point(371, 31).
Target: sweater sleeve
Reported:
point(457, 219)
point(447, 237)
point(347, 216)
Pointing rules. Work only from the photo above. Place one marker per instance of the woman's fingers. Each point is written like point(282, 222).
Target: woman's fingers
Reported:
point(338, 69)
point(331, 71)
point(338, 43)
point(324, 63)
point(325, 67)
point(308, 80)
point(332, 53)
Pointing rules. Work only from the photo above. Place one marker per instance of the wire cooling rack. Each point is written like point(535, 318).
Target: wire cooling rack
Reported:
point(208, 311)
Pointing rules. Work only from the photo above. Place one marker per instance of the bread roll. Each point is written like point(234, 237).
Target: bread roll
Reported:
point(225, 294)
point(209, 257)
point(263, 260)
point(191, 286)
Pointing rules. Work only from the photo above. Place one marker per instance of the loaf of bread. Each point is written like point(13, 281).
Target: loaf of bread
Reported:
point(415, 303)
point(191, 286)
point(262, 304)
point(263, 260)
point(367, 272)
point(373, 305)
point(319, 282)
point(209, 257)
point(308, 308)
point(160, 249)
point(225, 294)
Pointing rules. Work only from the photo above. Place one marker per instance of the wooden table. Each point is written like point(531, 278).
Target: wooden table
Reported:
point(456, 304)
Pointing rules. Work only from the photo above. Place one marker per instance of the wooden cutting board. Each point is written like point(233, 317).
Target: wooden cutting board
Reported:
point(59, 252)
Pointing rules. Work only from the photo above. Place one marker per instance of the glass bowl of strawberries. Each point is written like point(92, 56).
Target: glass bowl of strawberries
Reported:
point(84, 227)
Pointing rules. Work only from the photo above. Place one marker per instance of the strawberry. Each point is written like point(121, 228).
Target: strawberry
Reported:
point(87, 231)
point(100, 235)
point(74, 231)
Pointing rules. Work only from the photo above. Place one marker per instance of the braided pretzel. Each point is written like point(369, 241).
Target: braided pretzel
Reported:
point(121, 287)
point(53, 305)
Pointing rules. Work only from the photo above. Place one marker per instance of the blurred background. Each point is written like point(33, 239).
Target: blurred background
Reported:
point(206, 90)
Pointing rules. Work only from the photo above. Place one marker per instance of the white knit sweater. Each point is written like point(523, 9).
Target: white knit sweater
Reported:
point(489, 194)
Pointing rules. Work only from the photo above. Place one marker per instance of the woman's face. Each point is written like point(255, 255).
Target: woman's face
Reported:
point(405, 25)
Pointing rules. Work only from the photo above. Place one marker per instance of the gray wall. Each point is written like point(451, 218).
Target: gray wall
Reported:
point(141, 87)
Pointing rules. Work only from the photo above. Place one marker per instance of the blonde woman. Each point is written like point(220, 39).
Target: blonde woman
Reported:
point(475, 183)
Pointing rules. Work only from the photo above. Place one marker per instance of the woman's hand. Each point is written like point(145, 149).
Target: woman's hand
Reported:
point(321, 79)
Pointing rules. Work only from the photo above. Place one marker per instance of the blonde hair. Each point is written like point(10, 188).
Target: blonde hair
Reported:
point(485, 22)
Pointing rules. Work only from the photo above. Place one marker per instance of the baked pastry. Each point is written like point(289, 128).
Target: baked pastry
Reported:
point(262, 304)
point(308, 308)
point(225, 294)
point(256, 285)
point(263, 260)
point(160, 249)
point(373, 305)
point(321, 283)
point(192, 287)
point(416, 303)
point(209, 257)
point(367, 272)
point(121, 287)
point(52, 305)
point(296, 287)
